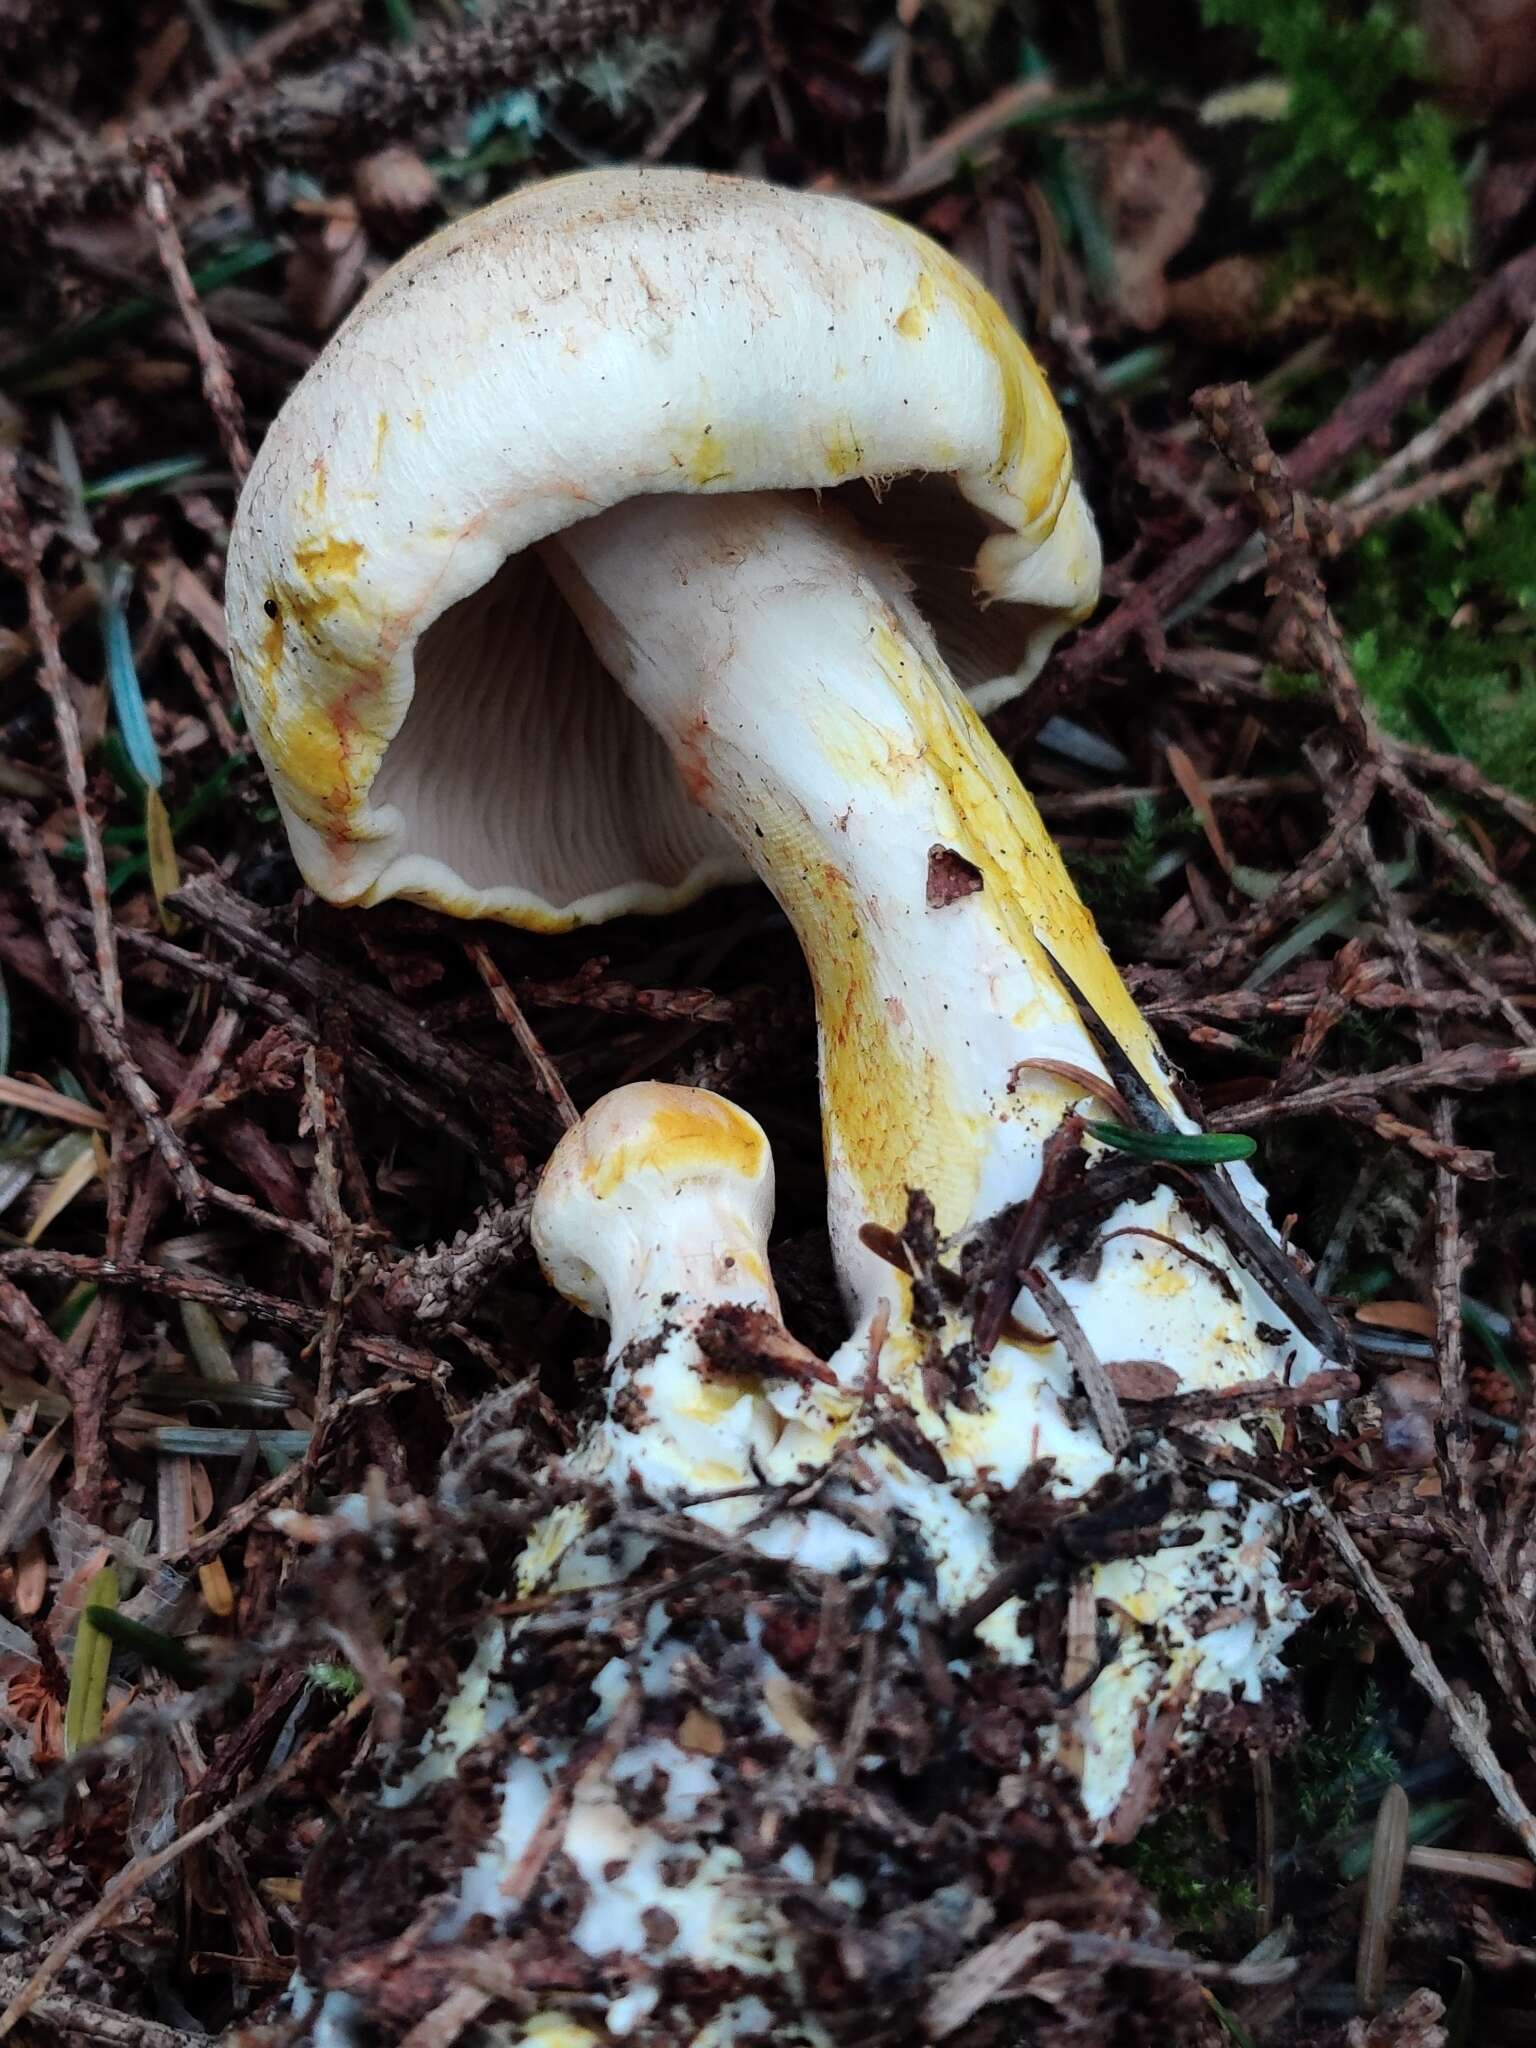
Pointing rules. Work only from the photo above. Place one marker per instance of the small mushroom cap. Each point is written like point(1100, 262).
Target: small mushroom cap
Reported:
point(658, 1191)
point(432, 717)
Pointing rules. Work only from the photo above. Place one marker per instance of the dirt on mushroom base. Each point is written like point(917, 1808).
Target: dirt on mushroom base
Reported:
point(935, 1829)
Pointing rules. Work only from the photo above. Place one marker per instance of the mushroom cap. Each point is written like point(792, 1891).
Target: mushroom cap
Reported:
point(433, 720)
point(659, 1191)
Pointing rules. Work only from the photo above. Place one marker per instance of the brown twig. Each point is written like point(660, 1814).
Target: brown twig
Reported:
point(229, 1295)
point(1231, 419)
point(545, 1072)
point(1234, 426)
point(1449, 1255)
point(206, 1546)
point(1083, 1359)
point(67, 2016)
point(218, 909)
point(18, 551)
point(1510, 292)
point(1124, 797)
point(1465, 1066)
point(320, 1109)
point(1298, 891)
point(1454, 419)
point(1467, 1731)
point(103, 1022)
point(137, 1874)
point(1466, 779)
point(212, 362)
point(1248, 1005)
point(1063, 1156)
point(1006, 1964)
point(442, 1282)
point(370, 96)
point(1502, 901)
point(126, 1239)
point(382, 1080)
point(1238, 1403)
point(1348, 523)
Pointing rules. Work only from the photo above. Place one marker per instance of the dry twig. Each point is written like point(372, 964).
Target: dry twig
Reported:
point(218, 381)
point(104, 1023)
point(1467, 1730)
point(18, 552)
point(1509, 293)
point(366, 98)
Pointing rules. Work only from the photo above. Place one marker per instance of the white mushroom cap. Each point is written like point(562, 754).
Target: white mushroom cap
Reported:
point(434, 721)
point(658, 1202)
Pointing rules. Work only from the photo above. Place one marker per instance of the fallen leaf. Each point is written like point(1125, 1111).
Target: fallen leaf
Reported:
point(1151, 193)
point(1416, 1317)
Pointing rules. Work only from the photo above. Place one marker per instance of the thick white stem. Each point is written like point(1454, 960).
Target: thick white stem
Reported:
point(777, 651)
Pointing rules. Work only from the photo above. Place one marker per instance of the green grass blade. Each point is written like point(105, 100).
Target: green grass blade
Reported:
point(123, 678)
point(1175, 1148)
point(88, 1666)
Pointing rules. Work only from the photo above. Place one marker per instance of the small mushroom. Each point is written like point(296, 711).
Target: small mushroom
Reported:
point(652, 1216)
point(628, 538)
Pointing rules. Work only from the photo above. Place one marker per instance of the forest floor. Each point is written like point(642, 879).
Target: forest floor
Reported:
point(265, 1165)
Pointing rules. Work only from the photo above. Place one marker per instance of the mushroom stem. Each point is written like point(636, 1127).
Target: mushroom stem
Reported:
point(809, 710)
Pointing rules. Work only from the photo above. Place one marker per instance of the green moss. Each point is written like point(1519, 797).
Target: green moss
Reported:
point(1115, 886)
point(1187, 1866)
point(1362, 164)
point(1442, 625)
point(1323, 1780)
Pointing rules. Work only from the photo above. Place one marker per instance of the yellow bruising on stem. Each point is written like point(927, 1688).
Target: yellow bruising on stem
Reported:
point(892, 1112)
point(712, 1137)
point(995, 826)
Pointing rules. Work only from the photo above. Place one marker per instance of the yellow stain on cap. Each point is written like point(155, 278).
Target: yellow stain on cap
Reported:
point(325, 752)
point(684, 1143)
point(1034, 457)
point(842, 450)
point(703, 459)
point(911, 323)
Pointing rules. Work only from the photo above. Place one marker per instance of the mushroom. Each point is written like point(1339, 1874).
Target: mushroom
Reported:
point(432, 715)
point(652, 1215)
point(626, 539)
